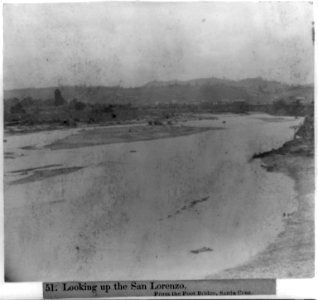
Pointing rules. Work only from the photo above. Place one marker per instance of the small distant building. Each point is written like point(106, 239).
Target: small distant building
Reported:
point(301, 99)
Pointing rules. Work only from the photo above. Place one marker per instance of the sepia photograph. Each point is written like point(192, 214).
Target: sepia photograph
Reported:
point(158, 141)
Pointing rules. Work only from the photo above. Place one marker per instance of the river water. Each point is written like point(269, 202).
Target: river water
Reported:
point(176, 208)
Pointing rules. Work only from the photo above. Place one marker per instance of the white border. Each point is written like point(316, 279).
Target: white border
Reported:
point(286, 288)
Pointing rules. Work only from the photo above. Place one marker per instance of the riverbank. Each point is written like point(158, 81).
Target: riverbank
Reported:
point(292, 253)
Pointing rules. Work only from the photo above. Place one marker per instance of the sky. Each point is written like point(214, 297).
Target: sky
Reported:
point(130, 44)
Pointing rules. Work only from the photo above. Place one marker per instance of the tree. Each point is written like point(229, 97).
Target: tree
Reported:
point(17, 109)
point(279, 105)
point(296, 108)
point(58, 98)
point(28, 101)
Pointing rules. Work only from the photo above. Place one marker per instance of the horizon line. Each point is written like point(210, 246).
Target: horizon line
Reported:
point(161, 81)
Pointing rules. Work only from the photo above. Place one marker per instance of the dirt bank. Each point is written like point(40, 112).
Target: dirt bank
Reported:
point(292, 253)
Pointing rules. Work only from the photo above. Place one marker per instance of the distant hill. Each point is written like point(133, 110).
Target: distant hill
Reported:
point(253, 90)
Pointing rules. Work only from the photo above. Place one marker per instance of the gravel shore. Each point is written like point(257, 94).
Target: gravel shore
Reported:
point(292, 253)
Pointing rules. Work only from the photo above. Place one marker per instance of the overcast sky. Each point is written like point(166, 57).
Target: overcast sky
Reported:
point(133, 43)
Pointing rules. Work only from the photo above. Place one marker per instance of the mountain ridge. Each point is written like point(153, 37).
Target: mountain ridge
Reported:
point(212, 89)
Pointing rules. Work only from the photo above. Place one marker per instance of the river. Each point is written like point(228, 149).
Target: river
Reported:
point(184, 207)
